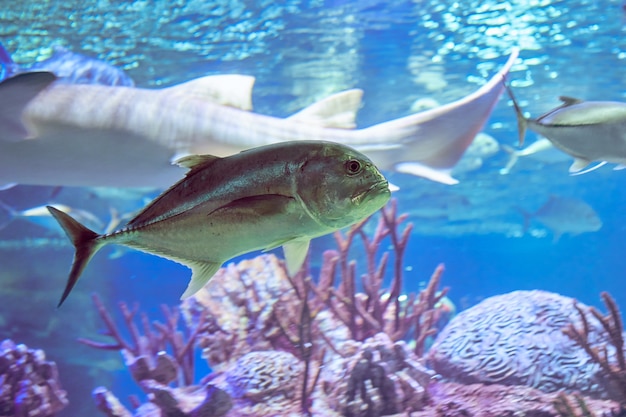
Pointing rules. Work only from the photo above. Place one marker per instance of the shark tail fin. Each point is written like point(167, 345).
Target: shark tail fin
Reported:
point(522, 123)
point(86, 242)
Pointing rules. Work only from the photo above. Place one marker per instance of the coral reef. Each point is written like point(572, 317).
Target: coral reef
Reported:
point(449, 399)
point(160, 357)
point(288, 345)
point(255, 306)
point(335, 345)
point(29, 385)
point(609, 356)
point(518, 339)
point(377, 377)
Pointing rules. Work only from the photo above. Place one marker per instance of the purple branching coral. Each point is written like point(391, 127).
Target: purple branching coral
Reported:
point(376, 310)
point(613, 364)
point(158, 359)
point(29, 385)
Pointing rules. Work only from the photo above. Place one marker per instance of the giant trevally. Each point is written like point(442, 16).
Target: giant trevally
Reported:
point(589, 131)
point(565, 215)
point(90, 135)
point(69, 67)
point(277, 195)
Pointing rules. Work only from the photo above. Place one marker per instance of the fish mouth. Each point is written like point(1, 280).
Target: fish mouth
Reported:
point(377, 188)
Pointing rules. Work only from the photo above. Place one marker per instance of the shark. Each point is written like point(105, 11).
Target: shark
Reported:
point(114, 136)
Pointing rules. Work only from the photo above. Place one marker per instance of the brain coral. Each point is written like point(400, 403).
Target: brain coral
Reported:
point(517, 339)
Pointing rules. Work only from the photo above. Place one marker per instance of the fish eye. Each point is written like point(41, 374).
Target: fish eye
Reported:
point(353, 166)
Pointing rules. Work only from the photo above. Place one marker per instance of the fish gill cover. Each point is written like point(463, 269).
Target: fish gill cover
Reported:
point(406, 56)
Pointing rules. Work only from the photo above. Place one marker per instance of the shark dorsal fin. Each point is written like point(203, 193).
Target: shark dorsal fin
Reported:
point(569, 101)
point(233, 90)
point(195, 161)
point(16, 93)
point(337, 110)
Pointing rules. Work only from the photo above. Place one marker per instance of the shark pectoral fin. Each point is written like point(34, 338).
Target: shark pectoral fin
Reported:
point(585, 171)
point(200, 275)
point(16, 93)
point(439, 175)
point(295, 252)
point(578, 165)
point(619, 167)
point(335, 111)
point(234, 90)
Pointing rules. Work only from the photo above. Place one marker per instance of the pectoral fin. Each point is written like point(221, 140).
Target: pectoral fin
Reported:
point(201, 274)
point(295, 252)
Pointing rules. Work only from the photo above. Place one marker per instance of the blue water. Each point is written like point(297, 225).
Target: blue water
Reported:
point(299, 52)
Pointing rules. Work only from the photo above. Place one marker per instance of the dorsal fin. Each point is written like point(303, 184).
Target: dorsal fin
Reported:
point(16, 93)
point(569, 101)
point(234, 90)
point(337, 110)
point(195, 161)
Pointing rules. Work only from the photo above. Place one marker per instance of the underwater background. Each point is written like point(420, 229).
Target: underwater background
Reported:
point(302, 51)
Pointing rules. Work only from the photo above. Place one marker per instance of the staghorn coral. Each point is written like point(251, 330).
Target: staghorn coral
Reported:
point(240, 303)
point(609, 356)
point(29, 385)
point(517, 339)
point(378, 309)
point(146, 354)
point(160, 357)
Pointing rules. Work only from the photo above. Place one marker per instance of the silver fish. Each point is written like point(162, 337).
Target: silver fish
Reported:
point(589, 131)
point(41, 217)
point(565, 215)
point(90, 135)
point(276, 195)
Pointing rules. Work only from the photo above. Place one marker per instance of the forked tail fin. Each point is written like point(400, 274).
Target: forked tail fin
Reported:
point(521, 120)
point(84, 240)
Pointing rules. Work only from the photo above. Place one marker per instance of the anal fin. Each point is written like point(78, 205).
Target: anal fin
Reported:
point(295, 252)
point(201, 274)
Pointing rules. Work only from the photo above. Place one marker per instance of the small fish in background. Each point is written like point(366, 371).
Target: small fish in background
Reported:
point(69, 67)
point(276, 195)
point(482, 148)
point(41, 216)
point(564, 215)
point(589, 131)
point(541, 146)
